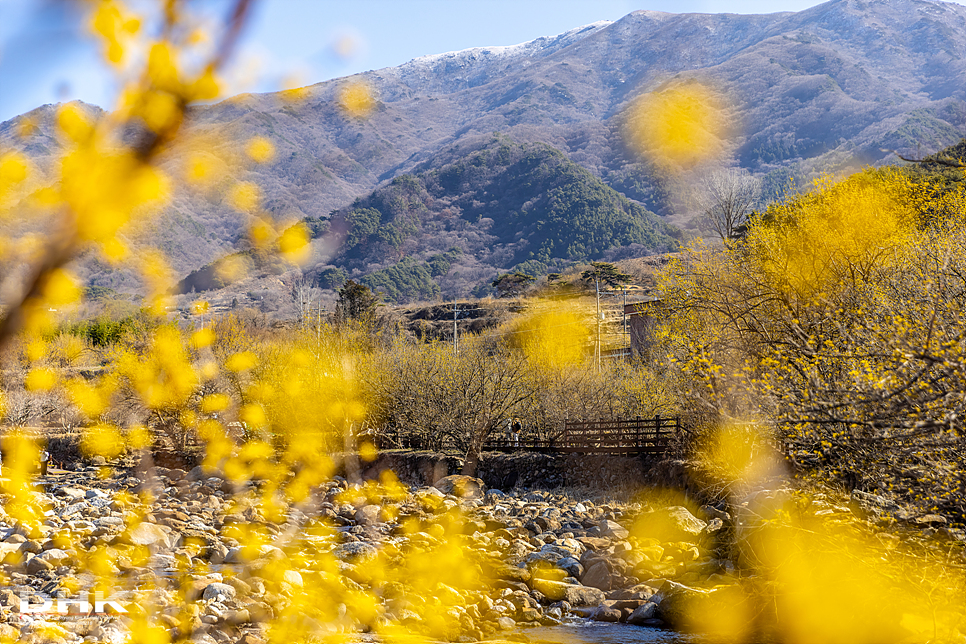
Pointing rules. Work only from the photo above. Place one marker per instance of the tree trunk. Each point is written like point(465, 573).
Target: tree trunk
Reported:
point(351, 457)
point(472, 459)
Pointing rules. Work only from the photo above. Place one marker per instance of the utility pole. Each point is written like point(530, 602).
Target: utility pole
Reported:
point(597, 285)
point(626, 338)
point(608, 273)
point(455, 348)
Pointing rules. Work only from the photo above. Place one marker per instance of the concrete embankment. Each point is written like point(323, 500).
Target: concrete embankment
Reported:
point(531, 470)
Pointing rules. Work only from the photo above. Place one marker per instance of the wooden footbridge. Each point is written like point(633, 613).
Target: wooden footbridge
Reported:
point(650, 435)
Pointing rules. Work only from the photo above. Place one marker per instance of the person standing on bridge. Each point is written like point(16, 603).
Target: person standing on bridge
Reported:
point(517, 429)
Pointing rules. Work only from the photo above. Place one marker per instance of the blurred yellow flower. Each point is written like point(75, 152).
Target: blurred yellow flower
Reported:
point(260, 149)
point(242, 361)
point(677, 127)
point(293, 243)
point(40, 379)
point(245, 196)
point(356, 98)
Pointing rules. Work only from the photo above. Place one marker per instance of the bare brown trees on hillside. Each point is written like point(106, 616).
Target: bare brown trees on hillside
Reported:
point(731, 196)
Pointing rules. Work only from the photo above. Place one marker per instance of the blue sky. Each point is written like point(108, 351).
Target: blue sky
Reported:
point(46, 56)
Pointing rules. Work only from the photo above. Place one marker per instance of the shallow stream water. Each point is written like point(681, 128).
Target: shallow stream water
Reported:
point(589, 632)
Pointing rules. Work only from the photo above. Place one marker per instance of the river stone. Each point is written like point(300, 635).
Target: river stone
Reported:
point(54, 556)
point(638, 592)
point(36, 565)
point(500, 570)
point(675, 601)
point(100, 501)
point(506, 623)
point(598, 576)
point(148, 534)
point(217, 552)
point(368, 514)
point(643, 613)
point(466, 487)
point(8, 598)
point(605, 614)
point(355, 552)
point(517, 552)
point(571, 566)
point(241, 587)
point(43, 631)
point(613, 530)
point(176, 475)
point(73, 509)
point(714, 526)
point(494, 496)
point(218, 591)
point(685, 522)
point(547, 524)
point(250, 638)
point(237, 555)
point(573, 594)
point(9, 554)
point(270, 552)
point(675, 523)
point(72, 493)
point(293, 578)
point(30, 545)
point(550, 553)
point(594, 543)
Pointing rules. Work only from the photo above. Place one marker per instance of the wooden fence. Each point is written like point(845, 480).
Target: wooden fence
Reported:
point(633, 436)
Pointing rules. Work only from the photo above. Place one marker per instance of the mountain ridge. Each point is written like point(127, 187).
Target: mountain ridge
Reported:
point(827, 89)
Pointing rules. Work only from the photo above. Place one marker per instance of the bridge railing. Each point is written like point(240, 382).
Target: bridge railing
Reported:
point(650, 435)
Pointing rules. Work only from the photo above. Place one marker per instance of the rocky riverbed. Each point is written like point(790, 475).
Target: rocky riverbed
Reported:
point(209, 560)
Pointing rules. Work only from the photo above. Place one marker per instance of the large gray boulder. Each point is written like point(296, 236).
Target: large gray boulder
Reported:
point(694, 609)
point(466, 487)
point(573, 594)
point(677, 602)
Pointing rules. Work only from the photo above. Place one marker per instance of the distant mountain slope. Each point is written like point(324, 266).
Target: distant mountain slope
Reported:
point(827, 89)
point(501, 206)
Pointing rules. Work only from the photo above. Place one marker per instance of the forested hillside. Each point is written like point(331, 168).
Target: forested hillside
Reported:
point(452, 226)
